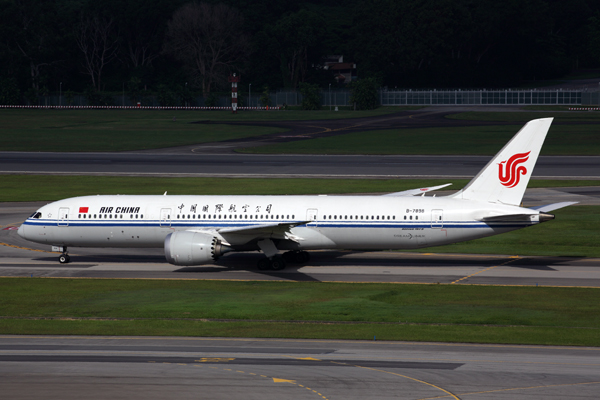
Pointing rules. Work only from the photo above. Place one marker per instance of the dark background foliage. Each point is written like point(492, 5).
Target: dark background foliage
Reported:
point(113, 45)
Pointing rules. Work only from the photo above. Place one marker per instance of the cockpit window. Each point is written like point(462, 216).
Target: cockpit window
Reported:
point(36, 215)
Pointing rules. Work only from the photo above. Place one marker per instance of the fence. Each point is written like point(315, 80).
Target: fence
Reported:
point(480, 97)
point(341, 97)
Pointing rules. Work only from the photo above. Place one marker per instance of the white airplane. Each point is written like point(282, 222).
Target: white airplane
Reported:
point(196, 230)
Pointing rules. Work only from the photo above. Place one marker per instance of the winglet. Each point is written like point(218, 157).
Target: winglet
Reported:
point(505, 178)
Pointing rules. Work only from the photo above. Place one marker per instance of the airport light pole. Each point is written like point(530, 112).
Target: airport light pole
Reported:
point(250, 95)
point(60, 94)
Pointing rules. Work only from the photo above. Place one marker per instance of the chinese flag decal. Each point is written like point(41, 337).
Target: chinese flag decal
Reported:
point(83, 210)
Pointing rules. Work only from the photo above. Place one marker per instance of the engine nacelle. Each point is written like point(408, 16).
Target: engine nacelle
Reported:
point(193, 248)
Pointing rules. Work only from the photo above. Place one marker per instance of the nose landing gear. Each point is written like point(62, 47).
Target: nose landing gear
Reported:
point(64, 257)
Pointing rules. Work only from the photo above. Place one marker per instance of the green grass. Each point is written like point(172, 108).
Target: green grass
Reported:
point(111, 130)
point(535, 315)
point(52, 187)
point(475, 140)
point(122, 130)
point(569, 116)
point(575, 232)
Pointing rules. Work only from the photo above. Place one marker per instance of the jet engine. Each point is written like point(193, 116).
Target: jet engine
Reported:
point(193, 248)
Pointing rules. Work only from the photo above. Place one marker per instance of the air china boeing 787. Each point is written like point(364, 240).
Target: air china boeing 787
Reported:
point(196, 230)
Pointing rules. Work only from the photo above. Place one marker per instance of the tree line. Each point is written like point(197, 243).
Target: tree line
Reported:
point(177, 47)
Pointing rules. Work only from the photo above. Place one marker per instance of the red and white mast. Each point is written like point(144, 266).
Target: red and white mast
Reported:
point(234, 92)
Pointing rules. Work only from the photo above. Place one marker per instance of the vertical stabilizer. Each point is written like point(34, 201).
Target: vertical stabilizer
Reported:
point(505, 178)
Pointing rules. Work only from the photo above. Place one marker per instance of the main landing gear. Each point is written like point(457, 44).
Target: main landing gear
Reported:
point(64, 257)
point(278, 262)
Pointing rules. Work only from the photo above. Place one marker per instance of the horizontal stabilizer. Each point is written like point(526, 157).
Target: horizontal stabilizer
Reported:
point(552, 207)
point(414, 192)
point(508, 217)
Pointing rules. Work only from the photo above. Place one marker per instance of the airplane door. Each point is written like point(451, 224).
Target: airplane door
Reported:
point(437, 219)
point(63, 216)
point(165, 217)
point(311, 214)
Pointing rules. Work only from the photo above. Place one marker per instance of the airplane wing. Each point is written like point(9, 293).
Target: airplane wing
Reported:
point(280, 230)
point(414, 192)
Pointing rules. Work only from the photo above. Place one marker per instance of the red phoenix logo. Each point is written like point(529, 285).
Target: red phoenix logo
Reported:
point(510, 173)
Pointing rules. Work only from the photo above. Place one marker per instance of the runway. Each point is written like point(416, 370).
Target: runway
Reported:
point(77, 367)
point(162, 163)
point(19, 257)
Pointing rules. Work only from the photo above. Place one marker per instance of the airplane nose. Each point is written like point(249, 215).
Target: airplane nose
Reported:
point(21, 231)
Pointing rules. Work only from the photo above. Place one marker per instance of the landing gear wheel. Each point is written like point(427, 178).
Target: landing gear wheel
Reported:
point(64, 259)
point(263, 264)
point(277, 263)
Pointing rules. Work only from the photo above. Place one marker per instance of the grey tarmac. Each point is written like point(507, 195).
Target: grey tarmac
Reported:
point(74, 367)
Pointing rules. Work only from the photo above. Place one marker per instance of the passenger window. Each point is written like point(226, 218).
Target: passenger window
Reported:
point(411, 217)
point(416, 217)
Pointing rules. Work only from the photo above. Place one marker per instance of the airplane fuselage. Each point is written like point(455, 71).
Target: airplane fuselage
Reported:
point(330, 222)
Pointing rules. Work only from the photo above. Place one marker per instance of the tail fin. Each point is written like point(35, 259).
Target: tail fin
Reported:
point(505, 178)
